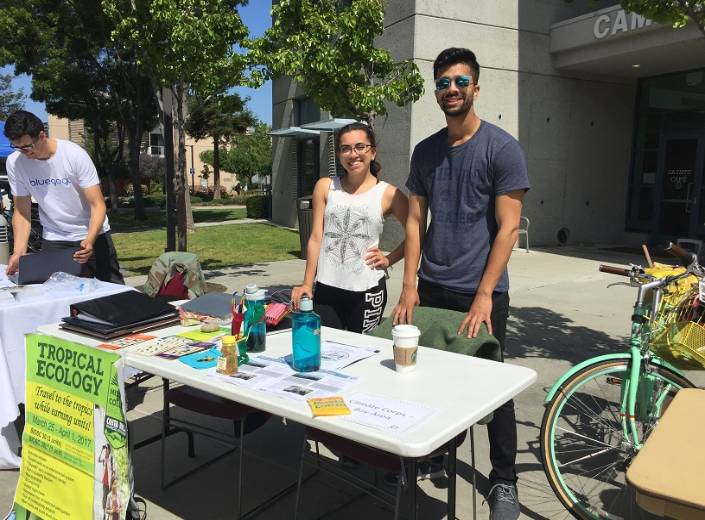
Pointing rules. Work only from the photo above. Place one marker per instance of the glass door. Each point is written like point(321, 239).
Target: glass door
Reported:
point(682, 200)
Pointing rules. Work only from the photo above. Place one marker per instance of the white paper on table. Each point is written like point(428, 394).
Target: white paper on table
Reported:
point(258, 373)
point(305, 385)
point(336, 356)
point(389, 415)
point(276, 376)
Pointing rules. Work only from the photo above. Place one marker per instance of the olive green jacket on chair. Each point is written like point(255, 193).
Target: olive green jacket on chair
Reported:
point(439, 329)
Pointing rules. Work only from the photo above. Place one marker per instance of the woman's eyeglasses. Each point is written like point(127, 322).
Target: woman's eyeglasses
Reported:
point(346, 149)
point(461, 81)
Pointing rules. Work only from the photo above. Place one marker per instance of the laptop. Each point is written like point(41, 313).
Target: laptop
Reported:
point(38, 267)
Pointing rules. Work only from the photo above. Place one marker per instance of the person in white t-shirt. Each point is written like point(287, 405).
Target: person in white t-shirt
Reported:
point(62, 179)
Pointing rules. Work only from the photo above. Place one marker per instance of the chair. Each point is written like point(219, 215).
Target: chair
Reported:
point(175, 269)
point(438, 330)
point(385, 461)
point(524, 224)
point(245, 420)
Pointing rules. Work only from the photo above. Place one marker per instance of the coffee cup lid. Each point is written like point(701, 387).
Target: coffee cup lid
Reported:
point(406, 331)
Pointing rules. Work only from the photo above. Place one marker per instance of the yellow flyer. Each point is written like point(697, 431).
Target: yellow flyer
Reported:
point(75, 460)
point(322, 406)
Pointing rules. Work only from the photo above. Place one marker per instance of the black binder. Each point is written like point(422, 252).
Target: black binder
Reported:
point(104, 332)
point(121, 310)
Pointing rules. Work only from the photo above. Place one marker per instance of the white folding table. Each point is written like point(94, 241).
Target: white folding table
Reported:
point(461, 389)
point(35, 307)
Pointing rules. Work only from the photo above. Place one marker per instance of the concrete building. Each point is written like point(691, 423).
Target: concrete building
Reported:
point(608, 107)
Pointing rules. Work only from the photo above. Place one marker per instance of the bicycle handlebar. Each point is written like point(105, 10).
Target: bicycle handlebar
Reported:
point(622, 271)
point(685, 257)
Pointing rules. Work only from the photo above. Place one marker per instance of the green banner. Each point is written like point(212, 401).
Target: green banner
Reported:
point(75, 460)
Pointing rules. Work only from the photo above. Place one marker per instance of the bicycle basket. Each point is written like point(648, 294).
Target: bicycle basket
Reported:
point(680, 338)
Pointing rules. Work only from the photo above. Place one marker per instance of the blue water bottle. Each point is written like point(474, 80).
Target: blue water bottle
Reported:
point(255, 326)
point(306, 337)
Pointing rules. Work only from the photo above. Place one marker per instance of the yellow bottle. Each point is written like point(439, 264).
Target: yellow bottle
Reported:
point(227, 362)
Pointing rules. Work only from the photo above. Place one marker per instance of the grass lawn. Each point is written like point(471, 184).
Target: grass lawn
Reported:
point(123, 221)
point(216, 246)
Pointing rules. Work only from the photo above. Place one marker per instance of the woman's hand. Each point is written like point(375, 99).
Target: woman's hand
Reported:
point(298, 292)
point(375, 258)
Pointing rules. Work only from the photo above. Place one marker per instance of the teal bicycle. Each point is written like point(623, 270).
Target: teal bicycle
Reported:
point(599, 413)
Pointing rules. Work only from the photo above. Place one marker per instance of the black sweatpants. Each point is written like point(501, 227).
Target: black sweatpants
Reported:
point(350, 310)
point(502, 430)
point(103, 265)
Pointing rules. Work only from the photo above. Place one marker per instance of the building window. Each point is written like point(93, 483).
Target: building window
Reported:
point(309, 166)
point(306, 111)
point(667, 188)
point(156, 144)
point(308, 150)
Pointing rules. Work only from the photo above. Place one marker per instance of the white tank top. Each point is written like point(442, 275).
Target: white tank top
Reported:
point(351, 225)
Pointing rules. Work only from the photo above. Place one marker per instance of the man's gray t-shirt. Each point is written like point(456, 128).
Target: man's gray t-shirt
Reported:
point(460, 184)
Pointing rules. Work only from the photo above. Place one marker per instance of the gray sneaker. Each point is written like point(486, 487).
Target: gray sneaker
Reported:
point(504, 502)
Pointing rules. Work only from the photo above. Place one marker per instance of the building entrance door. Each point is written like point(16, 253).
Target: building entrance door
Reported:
point(683, 199)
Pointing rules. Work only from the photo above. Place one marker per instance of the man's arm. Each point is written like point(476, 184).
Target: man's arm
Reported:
point(95, 199)
point(415, 231)
point(507, 213)
point(21, 227)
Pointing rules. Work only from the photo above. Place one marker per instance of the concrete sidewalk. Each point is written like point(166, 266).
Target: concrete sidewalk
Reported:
point(562, 312)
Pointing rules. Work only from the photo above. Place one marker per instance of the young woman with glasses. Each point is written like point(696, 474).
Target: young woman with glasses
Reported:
point(343, 255)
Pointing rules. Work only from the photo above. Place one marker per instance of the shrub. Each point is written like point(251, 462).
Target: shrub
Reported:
point(258, 206)
point(155, 200)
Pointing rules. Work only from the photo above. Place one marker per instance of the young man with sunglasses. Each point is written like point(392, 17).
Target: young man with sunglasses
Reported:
point(61, 177)
point(472, 177)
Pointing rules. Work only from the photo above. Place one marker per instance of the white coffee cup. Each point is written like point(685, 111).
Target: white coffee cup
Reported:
point(406, 344)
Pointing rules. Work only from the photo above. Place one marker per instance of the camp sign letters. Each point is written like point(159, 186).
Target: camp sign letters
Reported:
point(75, 460)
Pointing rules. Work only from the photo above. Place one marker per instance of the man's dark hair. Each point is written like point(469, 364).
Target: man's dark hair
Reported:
point(455, 55)
point(22, 123)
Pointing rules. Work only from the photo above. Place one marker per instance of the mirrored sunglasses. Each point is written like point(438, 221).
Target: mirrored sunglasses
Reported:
point(461, 81)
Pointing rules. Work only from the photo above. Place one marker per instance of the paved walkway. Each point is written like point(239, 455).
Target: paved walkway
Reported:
point(562, 312)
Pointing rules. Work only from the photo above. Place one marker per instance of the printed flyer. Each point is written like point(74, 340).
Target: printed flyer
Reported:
point(75, 461)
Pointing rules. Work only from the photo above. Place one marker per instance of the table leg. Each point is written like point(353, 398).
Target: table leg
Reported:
point(452, 453)
point(413, 485)
point(474, 480)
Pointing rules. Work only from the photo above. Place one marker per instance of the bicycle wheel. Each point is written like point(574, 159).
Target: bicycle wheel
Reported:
point(584, 451)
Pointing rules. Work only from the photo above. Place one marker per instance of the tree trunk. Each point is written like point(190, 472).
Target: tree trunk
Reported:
point(134, 145)
point(112, 190)
point(216, 167)
point(180, 177)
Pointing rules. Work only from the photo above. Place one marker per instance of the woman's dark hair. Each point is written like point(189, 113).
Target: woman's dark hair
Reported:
point(375, 167)
point(22, 123)
point(455, 55)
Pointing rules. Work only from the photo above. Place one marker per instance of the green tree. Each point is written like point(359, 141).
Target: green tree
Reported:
point(9, 99)
point(189, 47)
point(250, 154)
point(152, 168)
point(674, 12)
point(65, 46)
point(329, 50)
point(219, 117)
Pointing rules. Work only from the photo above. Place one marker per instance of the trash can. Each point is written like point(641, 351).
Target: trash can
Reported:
point(304, 206)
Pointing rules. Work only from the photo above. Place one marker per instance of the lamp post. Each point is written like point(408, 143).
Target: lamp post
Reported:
point(193, 171)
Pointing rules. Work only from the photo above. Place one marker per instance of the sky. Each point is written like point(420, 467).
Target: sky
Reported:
point(256, 17)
